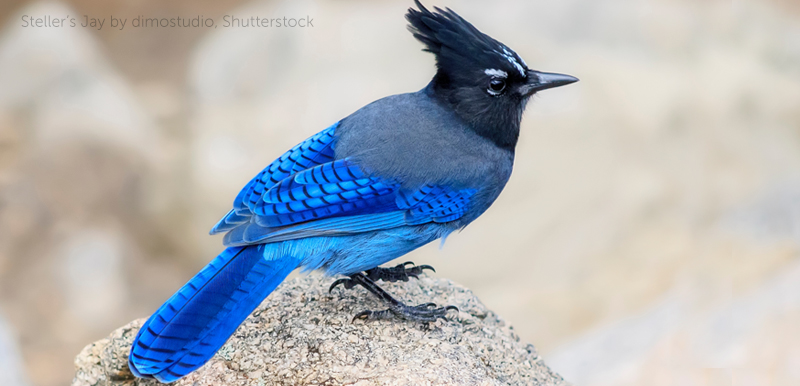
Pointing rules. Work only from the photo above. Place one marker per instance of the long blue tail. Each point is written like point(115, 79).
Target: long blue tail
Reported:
point(197, 320)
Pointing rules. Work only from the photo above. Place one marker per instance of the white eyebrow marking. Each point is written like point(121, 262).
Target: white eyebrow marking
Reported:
point(510, 57)
point(495, 72)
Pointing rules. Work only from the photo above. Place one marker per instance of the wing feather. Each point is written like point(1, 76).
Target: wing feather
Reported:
point(307, 192)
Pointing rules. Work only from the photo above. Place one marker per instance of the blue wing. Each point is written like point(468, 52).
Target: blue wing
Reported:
point(312, 152)
point(307, 192)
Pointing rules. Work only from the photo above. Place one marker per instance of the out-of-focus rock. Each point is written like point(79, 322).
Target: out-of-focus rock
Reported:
point(11, 370)
point(302, 335)
point(61, 80)
point(740, 335)
point(80, 157)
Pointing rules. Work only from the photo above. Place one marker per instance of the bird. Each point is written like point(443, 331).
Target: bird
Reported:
point(397, 174)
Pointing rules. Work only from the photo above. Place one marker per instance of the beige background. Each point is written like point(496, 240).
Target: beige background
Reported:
point(650, 233)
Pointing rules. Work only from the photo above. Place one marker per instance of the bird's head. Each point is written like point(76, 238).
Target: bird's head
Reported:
point(484, 81)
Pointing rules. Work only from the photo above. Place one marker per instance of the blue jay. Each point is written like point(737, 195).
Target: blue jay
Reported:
point(395, 175)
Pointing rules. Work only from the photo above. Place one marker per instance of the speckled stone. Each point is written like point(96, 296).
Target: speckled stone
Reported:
point(302, 335)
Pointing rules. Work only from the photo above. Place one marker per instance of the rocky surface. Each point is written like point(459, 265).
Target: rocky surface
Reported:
point(302, 335)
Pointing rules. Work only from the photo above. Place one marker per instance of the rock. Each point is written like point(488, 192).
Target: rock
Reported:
point(302, 335)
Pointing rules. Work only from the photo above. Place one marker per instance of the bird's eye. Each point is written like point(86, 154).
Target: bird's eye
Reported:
point(496, 86)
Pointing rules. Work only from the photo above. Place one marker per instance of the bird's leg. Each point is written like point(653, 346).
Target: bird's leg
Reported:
point(397, 273)
point(422, 313)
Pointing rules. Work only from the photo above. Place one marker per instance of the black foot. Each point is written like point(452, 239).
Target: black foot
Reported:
point(427, 312)
point(397, 273)
point(422, 313)
point(393, 274)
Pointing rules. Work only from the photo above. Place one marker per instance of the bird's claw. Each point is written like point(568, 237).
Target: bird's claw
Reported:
point(348, 283)
point(426, 312)
point(399, 272)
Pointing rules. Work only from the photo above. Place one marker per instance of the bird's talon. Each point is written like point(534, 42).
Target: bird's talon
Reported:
point(363, 315)
point(400, 272)
point(347, 284)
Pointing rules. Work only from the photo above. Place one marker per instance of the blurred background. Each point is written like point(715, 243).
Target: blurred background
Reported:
point(650, 234)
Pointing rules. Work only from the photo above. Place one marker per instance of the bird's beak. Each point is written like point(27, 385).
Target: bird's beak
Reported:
point(538, 81)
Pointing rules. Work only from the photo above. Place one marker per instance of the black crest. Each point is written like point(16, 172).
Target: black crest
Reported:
point(461, 49)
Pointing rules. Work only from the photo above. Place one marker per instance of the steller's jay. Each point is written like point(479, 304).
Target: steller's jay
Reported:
point(395, 175)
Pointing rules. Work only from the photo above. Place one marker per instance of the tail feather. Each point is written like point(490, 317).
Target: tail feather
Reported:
point(197, 320)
